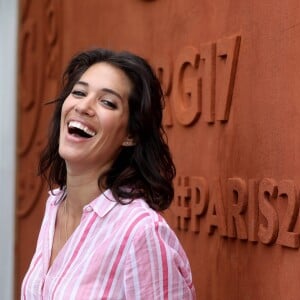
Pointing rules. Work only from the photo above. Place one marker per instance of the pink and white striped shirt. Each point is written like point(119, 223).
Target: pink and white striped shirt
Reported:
point(116, 252)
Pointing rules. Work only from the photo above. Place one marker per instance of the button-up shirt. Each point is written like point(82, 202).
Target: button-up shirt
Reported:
point(116, 252)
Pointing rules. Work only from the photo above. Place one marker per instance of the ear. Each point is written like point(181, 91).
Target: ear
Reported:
point(128, 142)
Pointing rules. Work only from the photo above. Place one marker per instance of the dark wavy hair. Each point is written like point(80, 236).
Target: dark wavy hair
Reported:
point(145, 170)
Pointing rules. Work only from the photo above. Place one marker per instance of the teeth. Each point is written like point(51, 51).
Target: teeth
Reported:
point(75, 124)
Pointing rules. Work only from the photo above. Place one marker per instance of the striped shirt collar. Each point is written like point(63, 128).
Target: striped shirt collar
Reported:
point(102, 205)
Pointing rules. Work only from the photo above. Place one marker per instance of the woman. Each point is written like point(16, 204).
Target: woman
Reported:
point(102, 236)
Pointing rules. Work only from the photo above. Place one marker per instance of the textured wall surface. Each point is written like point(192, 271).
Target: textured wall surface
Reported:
point(230, 70)
point(40, 56)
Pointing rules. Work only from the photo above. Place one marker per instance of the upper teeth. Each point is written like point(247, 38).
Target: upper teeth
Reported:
point(82, 127)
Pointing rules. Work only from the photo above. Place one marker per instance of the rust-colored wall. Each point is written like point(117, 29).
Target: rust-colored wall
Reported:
point(231, 72)
point(40, 58)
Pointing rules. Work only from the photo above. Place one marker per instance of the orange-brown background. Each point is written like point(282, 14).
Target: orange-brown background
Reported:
point(257, 140)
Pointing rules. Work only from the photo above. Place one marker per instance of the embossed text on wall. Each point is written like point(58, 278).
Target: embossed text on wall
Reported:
point(200, 82)
point(247, 210)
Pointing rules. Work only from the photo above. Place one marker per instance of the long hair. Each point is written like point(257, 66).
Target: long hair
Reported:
point(145, 170)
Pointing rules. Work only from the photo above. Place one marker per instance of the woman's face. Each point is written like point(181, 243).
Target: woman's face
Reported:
point(94, 118)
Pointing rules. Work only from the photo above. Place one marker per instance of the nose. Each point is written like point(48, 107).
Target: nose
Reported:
point(85, 107)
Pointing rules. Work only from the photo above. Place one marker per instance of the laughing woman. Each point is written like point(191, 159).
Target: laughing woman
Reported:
point(110, 174)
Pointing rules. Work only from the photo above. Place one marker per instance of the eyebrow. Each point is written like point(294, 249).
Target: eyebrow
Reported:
point(107, 90)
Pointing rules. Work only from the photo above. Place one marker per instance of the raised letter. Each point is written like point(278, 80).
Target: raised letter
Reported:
point(164, 74)
point(216, 213)
point(199, 201)
point(226, 65)
point(180, 205)
point(287, 191)
point(253, 210)
point(208, 83)
point(267, 191)
point(187, 98)
point(237, 204)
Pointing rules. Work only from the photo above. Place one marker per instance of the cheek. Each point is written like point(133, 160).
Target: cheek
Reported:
point(66, 107)
point(63, 113)
point(113, 121)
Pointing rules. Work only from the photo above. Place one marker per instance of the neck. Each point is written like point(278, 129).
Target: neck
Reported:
point(82, 185)
point(81, 190)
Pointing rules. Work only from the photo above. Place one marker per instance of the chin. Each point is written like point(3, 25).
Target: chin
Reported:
point(67, 156)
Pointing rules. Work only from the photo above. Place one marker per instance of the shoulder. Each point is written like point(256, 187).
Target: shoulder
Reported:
point(156, 256)
point(142, 222)
point(138, 211)
point(149, 226)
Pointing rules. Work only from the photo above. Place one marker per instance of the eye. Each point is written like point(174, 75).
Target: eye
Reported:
point(78, 93)
point(108, 103)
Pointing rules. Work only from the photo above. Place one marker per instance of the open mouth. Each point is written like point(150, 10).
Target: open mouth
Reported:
point(78, 129)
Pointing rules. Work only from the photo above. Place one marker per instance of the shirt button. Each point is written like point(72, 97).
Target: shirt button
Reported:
point(88, 209)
